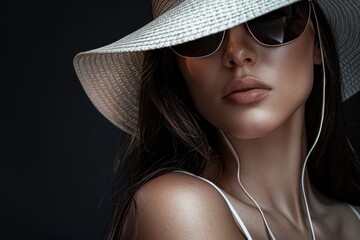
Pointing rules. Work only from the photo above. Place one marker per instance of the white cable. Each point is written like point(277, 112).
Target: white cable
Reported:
point(243, 188)
point(319, 132)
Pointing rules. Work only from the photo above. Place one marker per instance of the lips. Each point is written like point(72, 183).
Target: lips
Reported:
point(245, 90)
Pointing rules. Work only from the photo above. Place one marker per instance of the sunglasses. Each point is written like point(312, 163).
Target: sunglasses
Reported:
point(275, 28)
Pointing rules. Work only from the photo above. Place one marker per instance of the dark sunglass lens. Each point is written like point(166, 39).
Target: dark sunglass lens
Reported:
point(282, 25)
point(200, 47)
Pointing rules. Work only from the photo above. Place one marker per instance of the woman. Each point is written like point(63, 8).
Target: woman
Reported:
point(228, 84)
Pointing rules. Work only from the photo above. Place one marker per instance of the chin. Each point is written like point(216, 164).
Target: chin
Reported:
point(250, 131)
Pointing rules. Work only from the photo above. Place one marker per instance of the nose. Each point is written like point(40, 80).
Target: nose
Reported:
point(239, 47)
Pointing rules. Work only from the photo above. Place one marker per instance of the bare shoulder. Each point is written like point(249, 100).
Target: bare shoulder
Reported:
point(351, 223)
point(180, 206)
point(341, 220)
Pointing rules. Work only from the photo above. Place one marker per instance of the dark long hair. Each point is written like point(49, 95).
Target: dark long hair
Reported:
point(334, 166)
point(171, 134)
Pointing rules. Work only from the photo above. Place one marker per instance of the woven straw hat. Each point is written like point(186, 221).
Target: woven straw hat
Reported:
point(110, 74)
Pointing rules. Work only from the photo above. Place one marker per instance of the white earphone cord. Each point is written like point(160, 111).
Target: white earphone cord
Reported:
point(320, 127)
point(306, 159)
point(243, 188)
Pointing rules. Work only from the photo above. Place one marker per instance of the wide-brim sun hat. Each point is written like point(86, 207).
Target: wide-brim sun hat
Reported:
point(110, 75)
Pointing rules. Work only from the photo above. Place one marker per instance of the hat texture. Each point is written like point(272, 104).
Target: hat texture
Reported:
point(110, 75)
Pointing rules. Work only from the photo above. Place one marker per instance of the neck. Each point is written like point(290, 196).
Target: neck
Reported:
point(270, 168)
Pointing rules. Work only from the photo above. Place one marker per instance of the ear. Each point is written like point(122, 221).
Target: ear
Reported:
point(317, 54)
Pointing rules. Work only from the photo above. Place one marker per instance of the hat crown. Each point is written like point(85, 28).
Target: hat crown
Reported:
point(161, 6)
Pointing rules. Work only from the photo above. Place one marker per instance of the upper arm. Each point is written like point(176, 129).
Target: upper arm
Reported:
point(177, 206)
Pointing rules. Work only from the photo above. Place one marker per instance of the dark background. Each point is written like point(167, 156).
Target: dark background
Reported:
point(57, 151)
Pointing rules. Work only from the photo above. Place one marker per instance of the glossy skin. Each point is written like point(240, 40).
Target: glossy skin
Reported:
point(269, 137)
point(180, 207)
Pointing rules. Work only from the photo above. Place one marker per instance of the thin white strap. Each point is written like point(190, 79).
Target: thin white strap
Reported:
point(355, 211)
point(236, 216)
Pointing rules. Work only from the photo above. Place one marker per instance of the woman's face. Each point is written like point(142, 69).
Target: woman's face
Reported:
point(248, 90)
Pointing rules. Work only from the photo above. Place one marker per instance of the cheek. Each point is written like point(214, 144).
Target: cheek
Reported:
point(192, 72)
point(202, 80)
point(205, 81)
point(295, 69)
